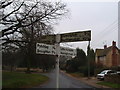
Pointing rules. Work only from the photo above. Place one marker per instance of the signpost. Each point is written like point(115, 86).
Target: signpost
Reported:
point(57, 50)
point(76, 36)
point(57, 44)
point(64, 51)
point(48, 39)
point(51, 50)
point(45, 49)
point(67, 37)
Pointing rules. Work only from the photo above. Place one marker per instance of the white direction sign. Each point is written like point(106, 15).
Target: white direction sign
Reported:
point(51, 50)
point(65, 51)
point(45, 49)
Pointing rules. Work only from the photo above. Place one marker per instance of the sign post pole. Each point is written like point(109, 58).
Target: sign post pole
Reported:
point(57, 72)
point(88, 58)
point(57, 59)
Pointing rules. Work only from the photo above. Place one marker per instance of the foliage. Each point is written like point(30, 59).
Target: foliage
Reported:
point(11, 57)
point(74, 64)
point(84, 70)
point(117, 68)
point(62, 62)
point(80, 62)
point(81, 57)
point(46, 62)
point(92, 61)
point(115, 78)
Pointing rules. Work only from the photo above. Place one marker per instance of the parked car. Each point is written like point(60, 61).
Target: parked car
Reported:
point(101, 75)
point(118, 72)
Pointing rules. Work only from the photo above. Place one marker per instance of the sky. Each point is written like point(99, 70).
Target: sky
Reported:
point(99, 17)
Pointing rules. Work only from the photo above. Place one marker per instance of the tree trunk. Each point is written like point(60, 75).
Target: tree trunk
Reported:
point(11, 68)
point(28, 64)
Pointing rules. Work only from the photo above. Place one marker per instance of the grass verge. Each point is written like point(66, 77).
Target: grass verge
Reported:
point(76, 74)
point(22, 80)
point(112, 85)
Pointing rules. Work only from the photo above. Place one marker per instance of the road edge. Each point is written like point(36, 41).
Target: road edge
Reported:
point(85, 81)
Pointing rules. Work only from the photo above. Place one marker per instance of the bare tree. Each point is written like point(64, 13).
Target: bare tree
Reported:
point(27, 21)
point(44, 12)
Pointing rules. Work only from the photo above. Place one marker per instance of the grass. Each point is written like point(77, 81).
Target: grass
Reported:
point(76, 74)
point(112, 85)
point(22, 80)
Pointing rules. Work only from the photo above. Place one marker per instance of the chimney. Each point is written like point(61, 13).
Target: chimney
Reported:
point(113, 43)
point(105, 46)
point(114, 55)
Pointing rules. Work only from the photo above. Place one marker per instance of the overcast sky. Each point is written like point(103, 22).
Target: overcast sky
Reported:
point(100, 17)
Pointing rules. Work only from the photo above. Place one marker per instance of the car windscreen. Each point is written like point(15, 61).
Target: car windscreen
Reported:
point(103, 72)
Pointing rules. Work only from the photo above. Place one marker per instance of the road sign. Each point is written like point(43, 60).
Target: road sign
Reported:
point(67, 37)
point(48, 39)
point(76, 36)
point(65, 51)
point(45, 49)
point(51, 50)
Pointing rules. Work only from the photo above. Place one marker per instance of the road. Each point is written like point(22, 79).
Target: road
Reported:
point(64, 81)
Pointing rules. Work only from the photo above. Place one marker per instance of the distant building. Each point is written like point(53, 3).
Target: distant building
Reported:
point(109, 56)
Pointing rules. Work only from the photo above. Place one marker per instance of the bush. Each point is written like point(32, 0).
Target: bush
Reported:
point(72, 66)
point(116, 68)
point(113, 78)
point(83, 70)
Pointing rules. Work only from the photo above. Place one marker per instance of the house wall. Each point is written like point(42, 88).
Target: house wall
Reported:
point(118, 58)
point(102, 59)
point(96, 58)
point(112, 60)
point(108, 61)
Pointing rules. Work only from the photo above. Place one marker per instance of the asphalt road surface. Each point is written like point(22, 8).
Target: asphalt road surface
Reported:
point(64, 81)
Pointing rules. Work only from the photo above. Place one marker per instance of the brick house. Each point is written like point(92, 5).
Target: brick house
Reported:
point(109, 56)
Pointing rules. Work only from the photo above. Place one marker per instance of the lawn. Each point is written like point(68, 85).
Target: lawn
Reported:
point(112, 85)
point(22, 80)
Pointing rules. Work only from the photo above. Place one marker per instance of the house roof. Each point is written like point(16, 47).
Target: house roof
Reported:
point(103, 52)
point(99, 51)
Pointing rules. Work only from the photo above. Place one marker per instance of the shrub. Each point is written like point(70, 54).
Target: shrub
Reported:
point(113, 78)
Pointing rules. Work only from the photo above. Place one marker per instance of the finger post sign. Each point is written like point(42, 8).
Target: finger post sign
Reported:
point(43, 48)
